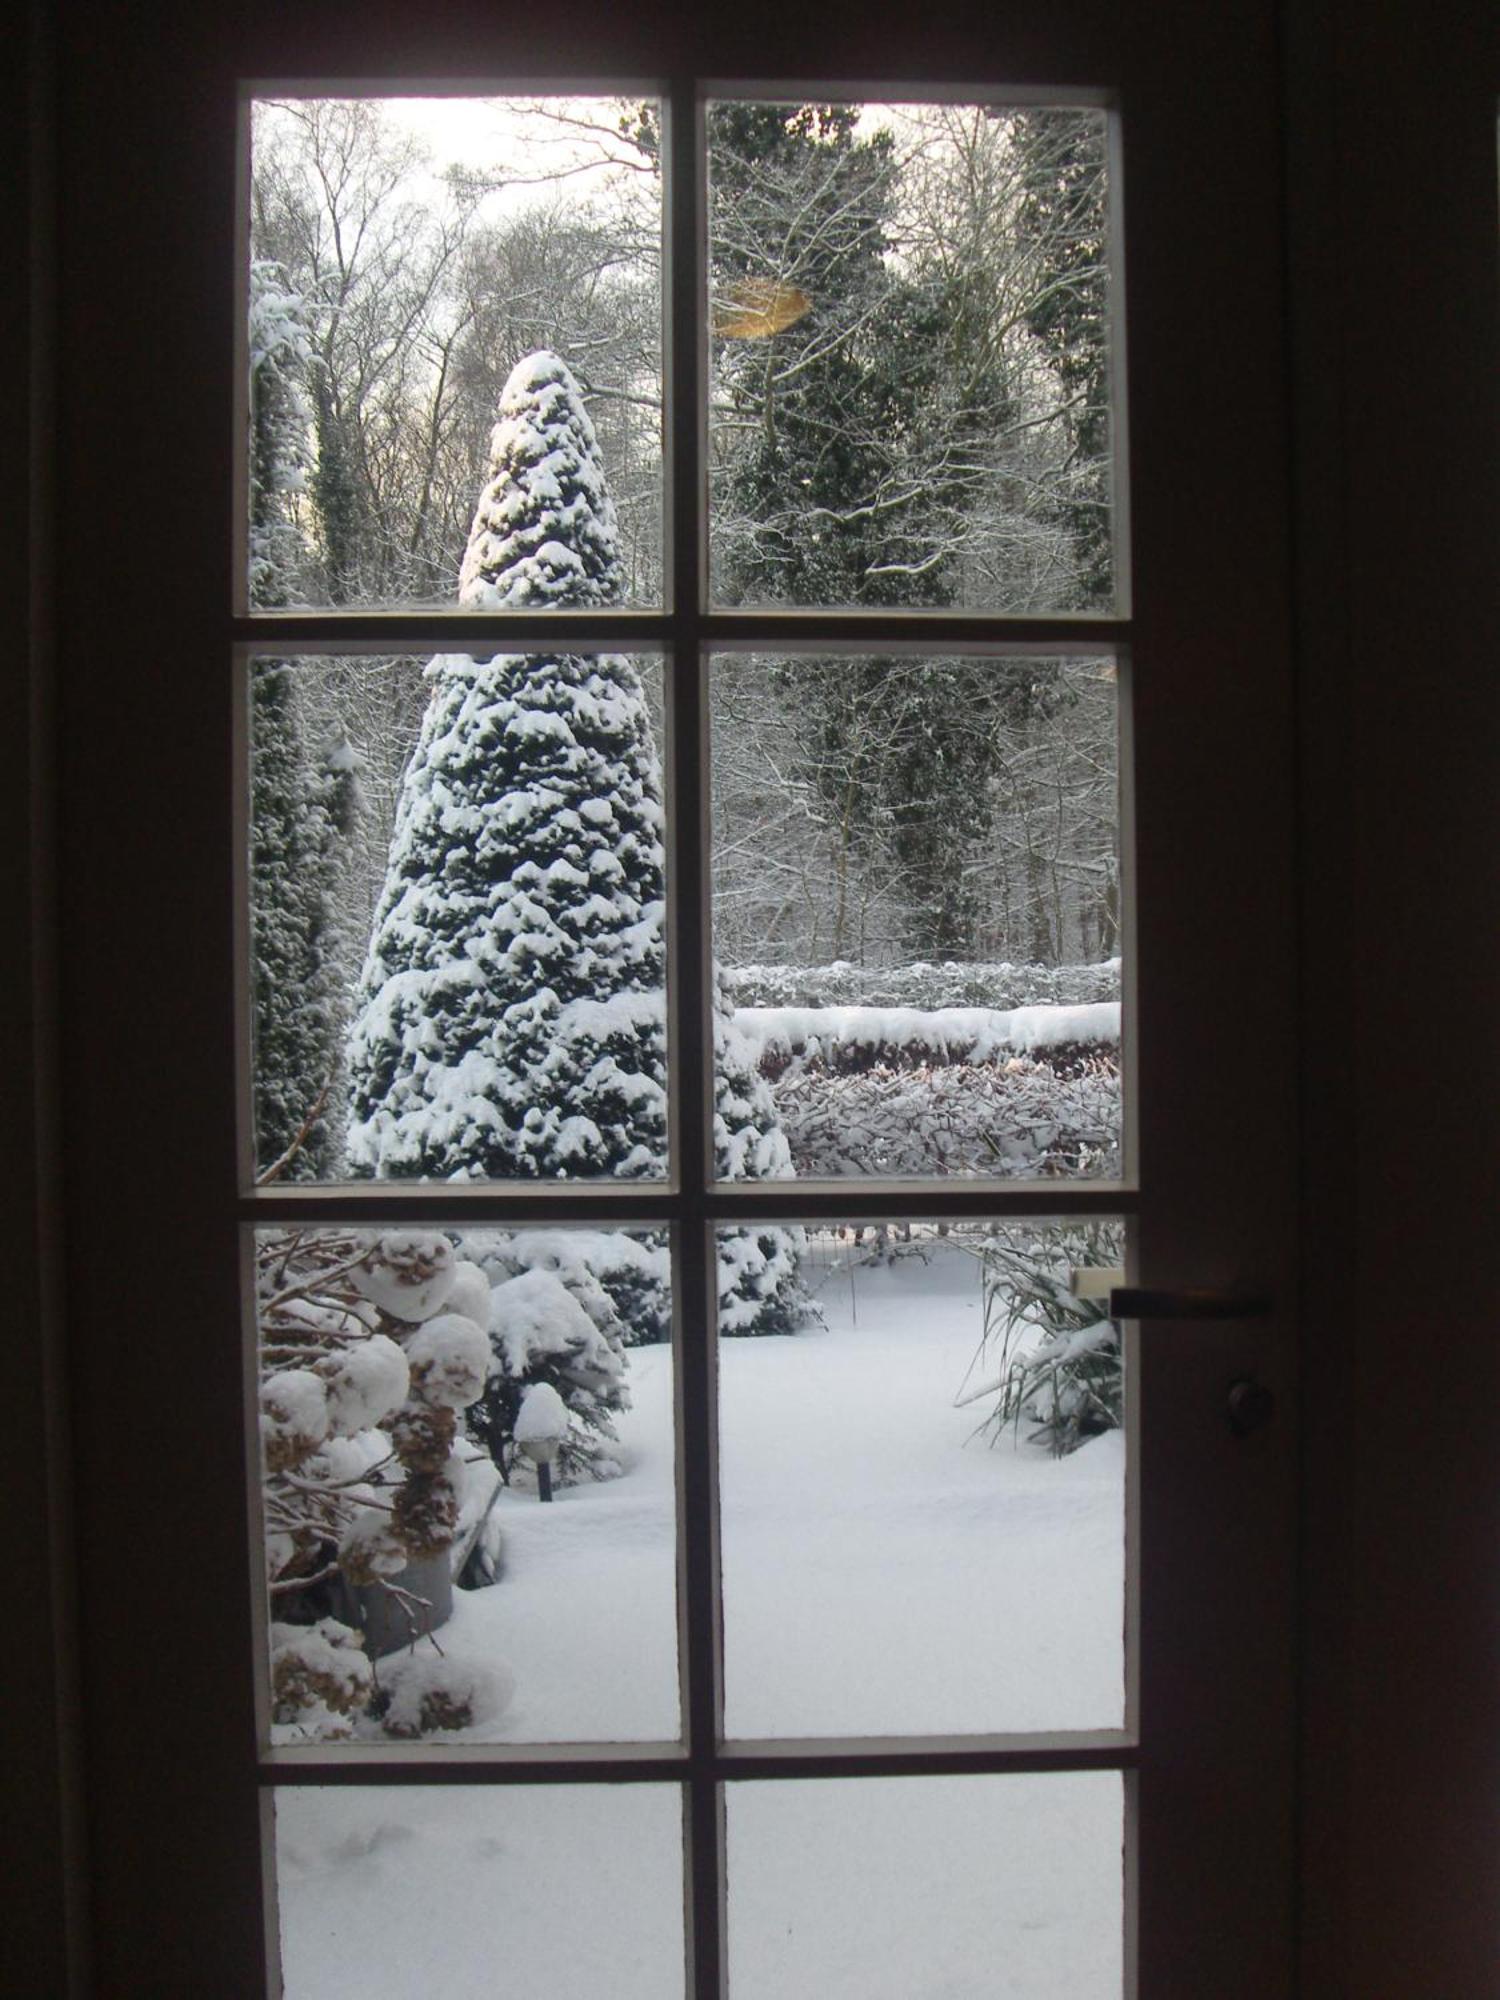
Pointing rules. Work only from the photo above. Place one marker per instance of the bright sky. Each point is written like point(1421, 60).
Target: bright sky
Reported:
point(499, 135)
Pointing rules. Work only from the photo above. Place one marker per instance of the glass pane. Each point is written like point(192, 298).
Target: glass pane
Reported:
point(455, 353)
point(390, 1892)
point(924, 1490)
point(468, 1485)
point(458, 949)
point(909, 400)
point(917, 909)
point(927, 1888)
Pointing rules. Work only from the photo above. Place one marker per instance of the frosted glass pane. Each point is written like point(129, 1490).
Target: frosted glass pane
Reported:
point(571, 1891)
point(420, 1392)
point(412, 263)
point(923, 1487)
point(910, 399)
point(927, 1888)
point(917, 912)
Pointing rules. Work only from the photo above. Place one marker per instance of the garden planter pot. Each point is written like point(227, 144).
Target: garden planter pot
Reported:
point(389, 1621)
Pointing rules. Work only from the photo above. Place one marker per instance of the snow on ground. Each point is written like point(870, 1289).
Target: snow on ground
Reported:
point(552, 1892)
point(585, 1612)
point(885, 1572)
point(927, 1889)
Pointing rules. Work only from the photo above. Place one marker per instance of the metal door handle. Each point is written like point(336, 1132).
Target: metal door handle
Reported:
point(1145, 1302)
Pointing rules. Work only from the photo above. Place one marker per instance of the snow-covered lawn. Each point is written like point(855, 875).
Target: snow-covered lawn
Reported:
point(885, 1573)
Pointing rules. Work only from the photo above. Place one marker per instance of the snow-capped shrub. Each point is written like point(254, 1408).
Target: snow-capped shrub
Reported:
point(1021, 1117)
point(449, 1358)
point(293, 1417)
point(540, 1333)
point(371, 1548)
point(922, 985)
point(432, 1696)
point(423, 1435)
point(755, 1267)
point(536, 1318)
point(318, 1671)
point(424, 1514)
point(760, 1291)
point(470, 1296)
point(360, 1409)
point(620, 1277)
point(849, 1040)
point(409, 1274)
point(366, 1381)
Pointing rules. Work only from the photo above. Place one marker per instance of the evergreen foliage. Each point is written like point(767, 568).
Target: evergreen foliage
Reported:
point(301, 817)
point(544, 532)
point(281, 355)
point(511, 1011)
point(555, 1322)
point(867, 443)
point(1062, 221)
point(301, 814)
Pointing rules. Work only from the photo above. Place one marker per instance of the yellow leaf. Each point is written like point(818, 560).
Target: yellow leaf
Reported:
point(755, 308)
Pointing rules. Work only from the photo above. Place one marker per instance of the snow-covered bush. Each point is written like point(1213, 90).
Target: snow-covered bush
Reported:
point(1048, 1359)
point(363, 1379)
point(759, 1289)
point(900, 1090)
point(546, 1332)
point(923, 985)
point(1020, 1118)
point(856, 1038)
point(320, 1678)
point(428, 1695)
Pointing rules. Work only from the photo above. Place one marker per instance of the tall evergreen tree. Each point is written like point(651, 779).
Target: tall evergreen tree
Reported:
point(281, 360)
point(1062, 220)
point(301, 812)
point(511, 1011)
point(863, 442)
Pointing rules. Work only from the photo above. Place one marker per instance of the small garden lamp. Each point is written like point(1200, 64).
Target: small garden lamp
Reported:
point(541, 1426)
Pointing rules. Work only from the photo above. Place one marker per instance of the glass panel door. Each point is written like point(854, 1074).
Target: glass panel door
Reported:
point(564, 1235)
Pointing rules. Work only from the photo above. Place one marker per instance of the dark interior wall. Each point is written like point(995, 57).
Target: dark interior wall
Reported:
point(1395, 378)
point(1403, 1345)
point(39, 1724)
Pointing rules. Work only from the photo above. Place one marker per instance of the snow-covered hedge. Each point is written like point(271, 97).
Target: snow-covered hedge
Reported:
point(950, 1090)
point(852, 1039)
point(1020, 1118)
point(922, 985)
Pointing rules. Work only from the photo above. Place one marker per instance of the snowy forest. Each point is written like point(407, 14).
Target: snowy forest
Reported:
point(458, 950)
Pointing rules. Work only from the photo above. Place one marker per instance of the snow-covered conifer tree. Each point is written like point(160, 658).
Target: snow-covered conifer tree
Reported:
point(281, 354)
point(511, 1018)
point(302, 810)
